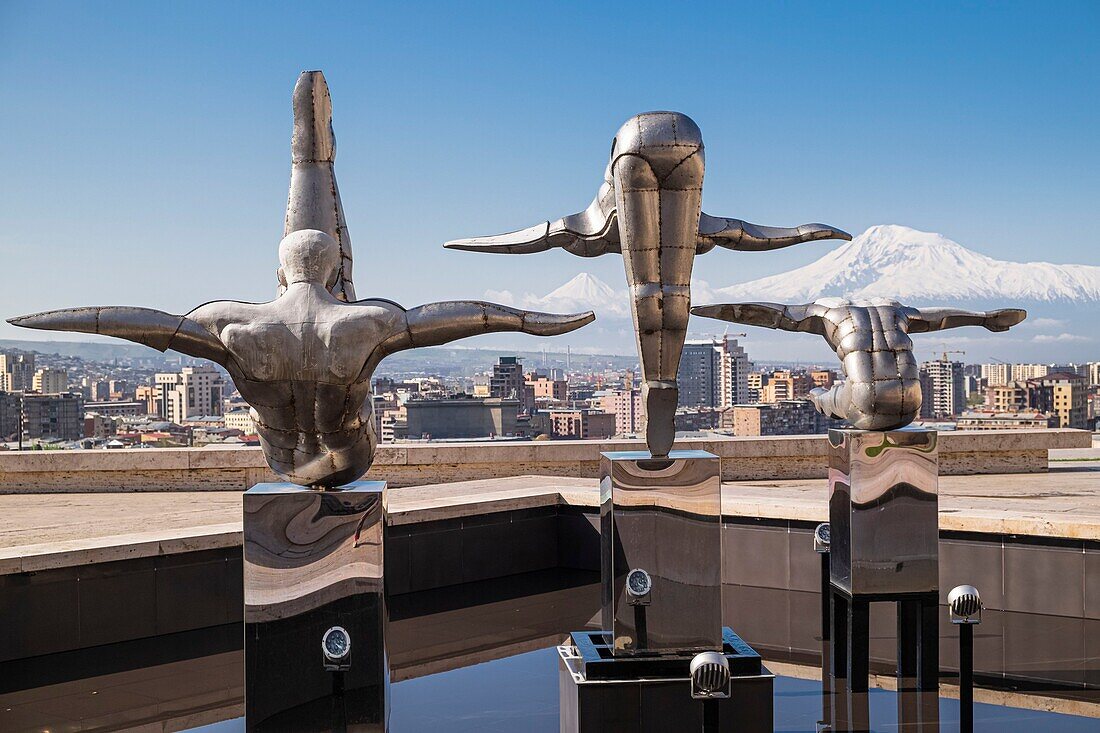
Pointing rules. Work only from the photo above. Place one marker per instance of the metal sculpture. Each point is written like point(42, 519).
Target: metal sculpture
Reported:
point(648, 210)
point(304, 361)
point(871, 337)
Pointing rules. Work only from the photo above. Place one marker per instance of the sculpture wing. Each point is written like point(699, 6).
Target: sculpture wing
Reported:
point(154, 328)
point(741, 235)
point(805, 318)
point(441, 323)
point(589, 233)
point(937, 319)
point(314, 199)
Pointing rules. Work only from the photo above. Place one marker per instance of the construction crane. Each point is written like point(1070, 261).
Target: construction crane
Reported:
point(946, 352)
point(726, 333)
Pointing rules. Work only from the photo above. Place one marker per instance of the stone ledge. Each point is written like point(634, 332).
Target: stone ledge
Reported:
point(415, 464)
point(92, 528)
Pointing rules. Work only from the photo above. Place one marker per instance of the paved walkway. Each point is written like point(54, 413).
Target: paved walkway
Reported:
point(40, 531)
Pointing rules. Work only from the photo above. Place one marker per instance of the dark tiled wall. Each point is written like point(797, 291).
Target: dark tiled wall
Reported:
point(1042, 620)
point(468, 549)
point(75, 608)
point(1042, 596)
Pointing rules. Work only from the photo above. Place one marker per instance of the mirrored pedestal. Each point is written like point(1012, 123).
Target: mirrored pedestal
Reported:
point(661, 546)
point(315, 611)
point(884, 527)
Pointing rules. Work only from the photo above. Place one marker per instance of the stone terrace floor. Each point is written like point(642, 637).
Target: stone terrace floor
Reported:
point(40, 531)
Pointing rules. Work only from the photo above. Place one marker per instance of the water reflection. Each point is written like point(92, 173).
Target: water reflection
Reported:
point(470, 657)
point(520, 693)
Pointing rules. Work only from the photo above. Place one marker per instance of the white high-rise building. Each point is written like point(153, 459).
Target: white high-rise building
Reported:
point(734, 384)
point(996, 375)
point(1094, 373)
point(713, 373)
point(16, 372)
point(1024, 372)
point(193, 392)
point(947, 395)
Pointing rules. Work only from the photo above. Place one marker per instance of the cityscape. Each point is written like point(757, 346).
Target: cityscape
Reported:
point(57, 402)
point(569, 367)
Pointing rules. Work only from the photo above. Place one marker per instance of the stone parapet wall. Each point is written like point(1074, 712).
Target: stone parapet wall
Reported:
point(414, 464)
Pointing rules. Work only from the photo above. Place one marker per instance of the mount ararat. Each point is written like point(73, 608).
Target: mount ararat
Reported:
point(889, 260)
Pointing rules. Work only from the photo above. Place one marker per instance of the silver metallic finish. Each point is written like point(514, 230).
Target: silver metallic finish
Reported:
point(305, 549)
point(965, 604)
point(663, 515)
point(313, 561)
point(871, 337)
point(648, 210)
point(710, 676)
point(314, 199)
point(883, 511)
point(304, 361)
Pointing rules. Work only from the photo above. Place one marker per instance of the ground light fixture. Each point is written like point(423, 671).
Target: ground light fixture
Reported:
point(638, 587)
point(965, 607)
point(336, 649)
point(710, 682)
point(821, 538)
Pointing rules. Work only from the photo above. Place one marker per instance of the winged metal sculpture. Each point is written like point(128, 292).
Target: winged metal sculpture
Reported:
point(871, 338)
point(648, 210)
point(304, 361)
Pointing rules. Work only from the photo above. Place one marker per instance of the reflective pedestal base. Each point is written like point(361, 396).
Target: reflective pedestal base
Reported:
point(884, 527)
point(600, 691)
point(661, 552)
point(313, 562)
point(884, 511)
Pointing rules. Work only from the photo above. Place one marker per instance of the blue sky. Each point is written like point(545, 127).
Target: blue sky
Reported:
point(146, 145)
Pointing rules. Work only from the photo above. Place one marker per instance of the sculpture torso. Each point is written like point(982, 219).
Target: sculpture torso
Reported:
point(872, 342)
point(304, 363)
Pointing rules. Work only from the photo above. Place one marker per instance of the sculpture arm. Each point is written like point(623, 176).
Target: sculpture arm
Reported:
point(146, 326)
point(768, 315)
point(589, 233)
point(937, 319)
point(741, 235)
point(441, 323)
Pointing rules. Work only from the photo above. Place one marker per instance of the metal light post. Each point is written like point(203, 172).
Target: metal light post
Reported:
point(965, 606)
point(710, 682)
point(821, 547)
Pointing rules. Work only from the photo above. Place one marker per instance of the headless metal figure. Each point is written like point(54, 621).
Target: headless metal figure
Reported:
point(648, 210)
point(304, 361)
point(871, 337)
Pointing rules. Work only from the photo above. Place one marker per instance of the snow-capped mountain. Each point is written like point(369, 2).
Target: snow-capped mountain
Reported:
point(583, 292)
point(920, 267)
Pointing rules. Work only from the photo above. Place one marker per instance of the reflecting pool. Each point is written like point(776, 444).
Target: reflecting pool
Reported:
point(481, 657)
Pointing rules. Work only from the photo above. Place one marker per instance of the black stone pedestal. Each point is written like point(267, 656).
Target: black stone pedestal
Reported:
point(603, 692)
point(847, 657)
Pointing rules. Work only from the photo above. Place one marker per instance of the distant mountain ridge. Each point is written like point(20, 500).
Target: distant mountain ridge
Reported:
point(896, 261)
point(886, 261)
